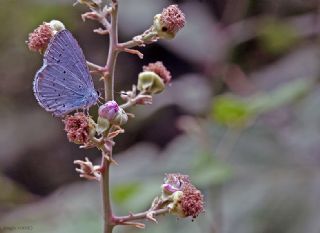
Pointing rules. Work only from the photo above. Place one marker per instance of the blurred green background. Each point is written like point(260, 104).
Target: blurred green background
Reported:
point(242, 118)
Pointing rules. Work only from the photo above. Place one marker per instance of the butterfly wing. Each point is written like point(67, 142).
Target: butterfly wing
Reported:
point(65, 50)
point(59, 92)
point(64, 84)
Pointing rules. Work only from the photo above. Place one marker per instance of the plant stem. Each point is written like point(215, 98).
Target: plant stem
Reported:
point(112, 55)
point(107, 211)
point(109, 95)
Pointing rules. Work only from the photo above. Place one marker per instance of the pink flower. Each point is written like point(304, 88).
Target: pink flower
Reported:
point(78, 127)
point(40, 38)
point(172, 19)
point(160, 70)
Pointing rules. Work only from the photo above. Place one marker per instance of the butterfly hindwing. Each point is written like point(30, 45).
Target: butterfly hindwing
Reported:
point(58, 90)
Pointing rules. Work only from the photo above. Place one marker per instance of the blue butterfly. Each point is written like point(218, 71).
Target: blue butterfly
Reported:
point(64, 84)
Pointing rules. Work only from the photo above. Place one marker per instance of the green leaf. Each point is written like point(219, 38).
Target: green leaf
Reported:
point(208, 171)
point(211, 175)
point(282, 95)
point(123, 192)
point(277, 37)
point(229, 110)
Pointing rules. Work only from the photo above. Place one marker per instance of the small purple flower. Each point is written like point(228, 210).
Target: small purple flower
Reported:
point(168, 188)
point(109, 110)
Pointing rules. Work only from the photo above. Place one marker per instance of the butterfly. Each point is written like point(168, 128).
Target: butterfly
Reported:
point(64, 84)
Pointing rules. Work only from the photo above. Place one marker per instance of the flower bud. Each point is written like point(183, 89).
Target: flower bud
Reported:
point(80, 128)
point(150, 82)
point(103, 125)
point(109, 110)
point(121, 118)
point(175, 205)
point(160, 70)
point(56, 25)
point(113, 113)
point(169, 22)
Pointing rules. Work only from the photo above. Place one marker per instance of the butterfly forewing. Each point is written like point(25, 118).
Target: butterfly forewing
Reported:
point(64, 50)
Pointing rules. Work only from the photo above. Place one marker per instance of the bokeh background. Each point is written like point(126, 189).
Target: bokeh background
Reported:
point(242, 118)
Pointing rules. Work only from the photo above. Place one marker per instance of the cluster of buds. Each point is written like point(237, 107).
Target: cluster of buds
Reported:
point(80, 128)
point(40, 38)
point(181, 197)
point(154, 78)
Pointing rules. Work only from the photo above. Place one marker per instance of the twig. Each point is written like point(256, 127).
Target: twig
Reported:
point(121, 220)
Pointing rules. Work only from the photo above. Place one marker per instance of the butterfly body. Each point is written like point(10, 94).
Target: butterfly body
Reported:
point(63, 84)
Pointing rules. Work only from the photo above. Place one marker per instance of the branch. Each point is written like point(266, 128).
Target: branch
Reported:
point(123, 220)
point(149, 36)
point(141, 98)
point(95, 68)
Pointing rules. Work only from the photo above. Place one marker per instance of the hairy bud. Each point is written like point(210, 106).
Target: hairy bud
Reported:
point(150, 83)
point(169, 22)
point(40, 38)
point(160, 70)
point(80, 128)
point(56, 25)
